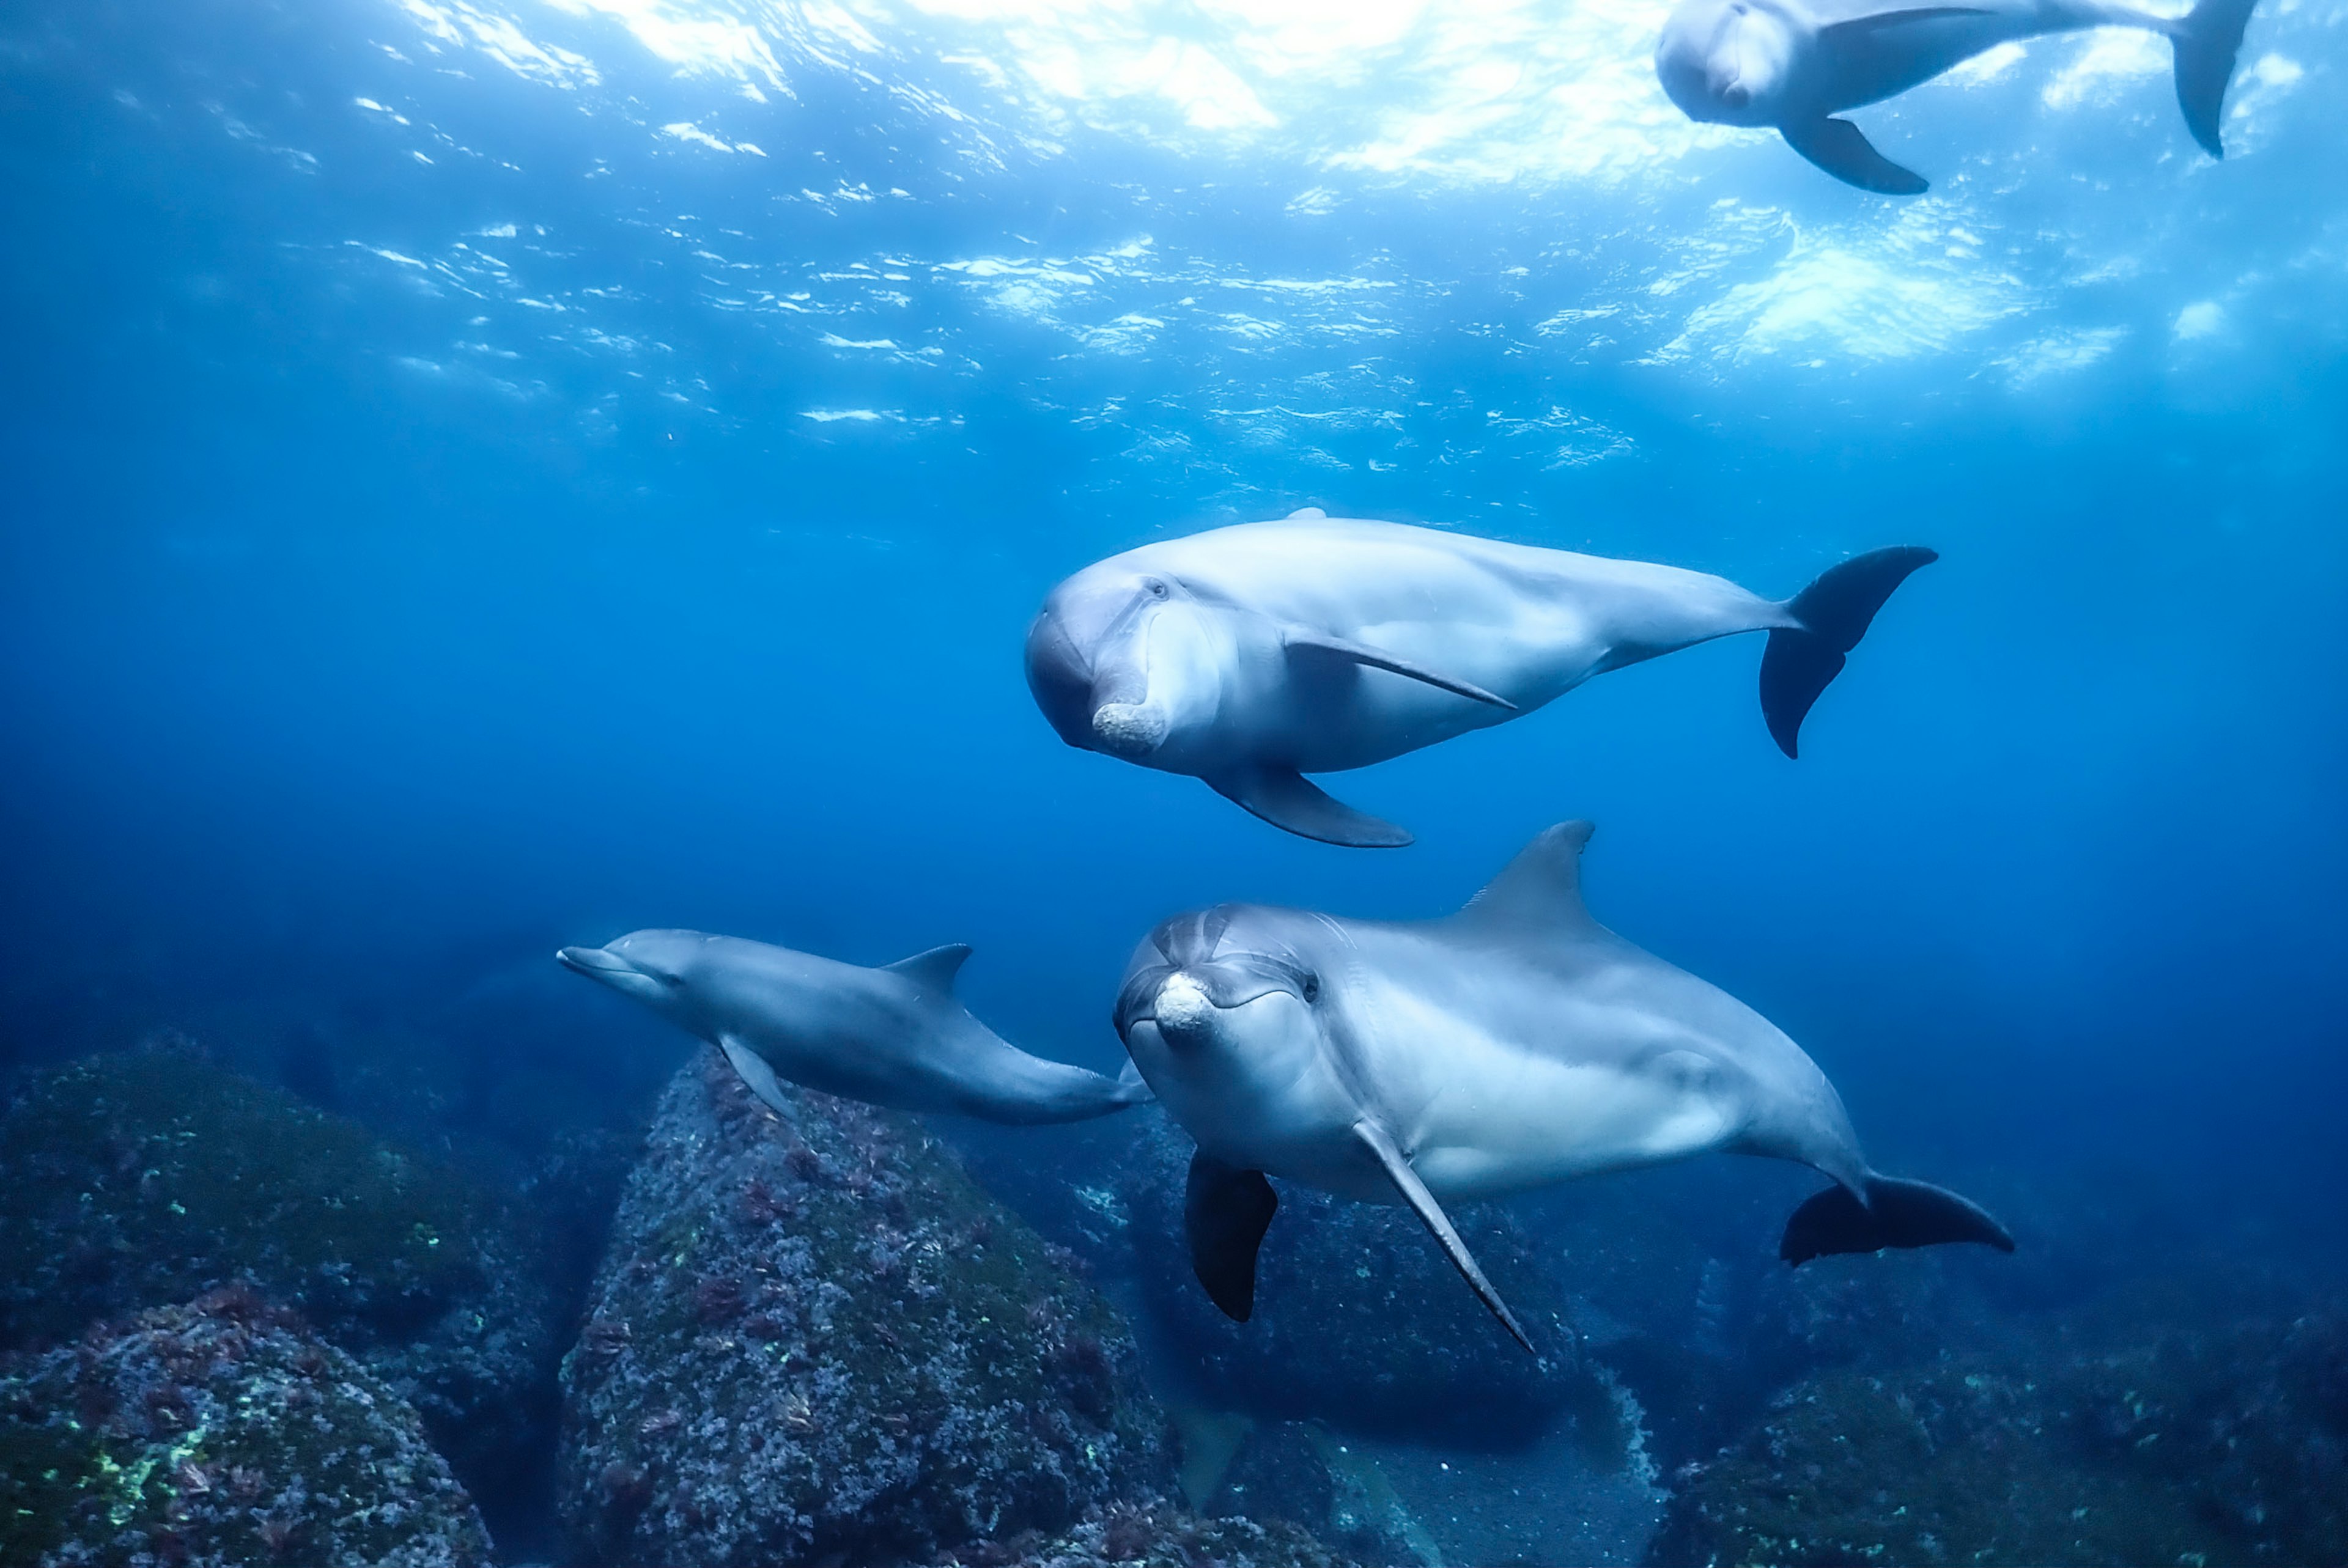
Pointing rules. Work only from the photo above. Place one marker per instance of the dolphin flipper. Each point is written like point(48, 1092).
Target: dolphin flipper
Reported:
point(1834, 611)
point(2207, 40)
point(1837, 146)
point(1430, 1213)
point(756, 1076)
point(1281, 796)
point(1377, 659)
point(1895, 1213)
point(1225, 1211)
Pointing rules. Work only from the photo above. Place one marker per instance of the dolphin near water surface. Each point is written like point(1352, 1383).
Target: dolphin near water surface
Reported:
point(1249, 656)
point(894, 1036)
point(1512, 1045)
point(1794, 64)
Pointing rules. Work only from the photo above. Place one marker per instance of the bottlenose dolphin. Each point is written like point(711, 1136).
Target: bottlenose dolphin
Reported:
point(891, 1036)
point(1794, 64)
point(1252, 655)
point(1512, 1045)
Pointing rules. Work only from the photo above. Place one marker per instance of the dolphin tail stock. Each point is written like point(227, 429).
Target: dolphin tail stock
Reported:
point(1284, 798)
point(1381, 1143)
point(1890, 1213)
point(1225, 1211)
point(2207, 38)
point(1834, 612)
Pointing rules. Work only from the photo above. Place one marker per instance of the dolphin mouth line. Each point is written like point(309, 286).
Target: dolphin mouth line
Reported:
point(594, 962)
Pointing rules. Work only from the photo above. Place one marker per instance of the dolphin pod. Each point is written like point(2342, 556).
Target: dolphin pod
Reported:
point(894, 1036)
point(1512, 1045)
point(1792, 65)
point(1249, 656)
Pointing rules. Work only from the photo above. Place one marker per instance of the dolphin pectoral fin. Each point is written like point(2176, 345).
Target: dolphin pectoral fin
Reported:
point(1894, 1214)
point(1837, 146)
point(1376, 659)
point(1281, 798)
point(1430, 1213)
point(756, 1076)
point(935, 969)
point(1225, 1211)
point(1131, 1089)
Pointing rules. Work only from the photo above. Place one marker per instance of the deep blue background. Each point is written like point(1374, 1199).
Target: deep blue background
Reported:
point(339, 690)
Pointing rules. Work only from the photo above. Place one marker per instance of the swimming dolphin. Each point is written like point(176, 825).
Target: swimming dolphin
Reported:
point(891, 1036)
point(1252, 655)
point(1794, 64)
point(1515, 1044)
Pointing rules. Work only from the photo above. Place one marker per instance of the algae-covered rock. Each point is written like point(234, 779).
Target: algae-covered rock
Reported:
point(221, 1433)
point(1153, 1534)
point(814, 1337)
point(143, 1178)
point(1360, 1320)
point(2205, 1447)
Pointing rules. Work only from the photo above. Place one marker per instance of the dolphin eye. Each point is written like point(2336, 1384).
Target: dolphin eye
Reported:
point(1156, 586)
point(1311, 987)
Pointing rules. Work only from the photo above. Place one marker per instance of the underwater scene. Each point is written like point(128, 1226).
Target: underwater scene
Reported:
point(1017, 783)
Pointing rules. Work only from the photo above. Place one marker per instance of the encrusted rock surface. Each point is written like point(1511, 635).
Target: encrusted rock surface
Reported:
point(813, 1337)
point(2200, 1447)
point(1359, 1319)
point(1153, 1533)
point(142, 1178)
point(218, 1434)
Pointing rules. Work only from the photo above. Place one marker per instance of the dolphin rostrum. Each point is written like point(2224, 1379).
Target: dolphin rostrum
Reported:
point(893, 1036)
point(1792, 65)
point(1515, 1044)
point(1249, 656)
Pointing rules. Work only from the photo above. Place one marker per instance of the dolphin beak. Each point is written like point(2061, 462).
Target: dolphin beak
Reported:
point(1183, 1010)
point(1130, 729)
point(1737, 95)
point(596, 963)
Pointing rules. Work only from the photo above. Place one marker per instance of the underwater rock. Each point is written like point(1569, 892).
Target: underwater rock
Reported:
point(815, 1337)
point(2200, 1447)
point(216, 1434)
point(1360, 1320)
point(1153, 1534)
point(141, 1179)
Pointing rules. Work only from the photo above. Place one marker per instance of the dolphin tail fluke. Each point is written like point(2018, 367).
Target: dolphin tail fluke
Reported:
point(1285, 798)
point(1835, 612)
point(2207, 40)
point(1895, 1213)
point(1225, 1211)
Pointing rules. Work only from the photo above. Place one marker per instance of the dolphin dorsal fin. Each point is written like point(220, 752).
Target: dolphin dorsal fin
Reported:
point(935, 969)
point(1541, 887)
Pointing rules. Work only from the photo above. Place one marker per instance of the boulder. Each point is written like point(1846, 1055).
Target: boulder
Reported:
point(223, 1433)
point(813, 1337)
point(2195, 1445)
point(142, 1178)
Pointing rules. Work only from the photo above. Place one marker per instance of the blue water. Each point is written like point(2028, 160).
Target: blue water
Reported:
point(462, 499)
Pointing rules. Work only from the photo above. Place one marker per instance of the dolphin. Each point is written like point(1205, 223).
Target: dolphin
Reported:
point(1795, 63)
point(893, 1036)
point(1249, 656)
point(1512, 1045)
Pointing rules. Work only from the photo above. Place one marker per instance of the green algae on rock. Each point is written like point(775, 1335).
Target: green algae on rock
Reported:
point(220, 1434)
point(2200, 1448)
point(815, 1335)
point(139, 1179)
